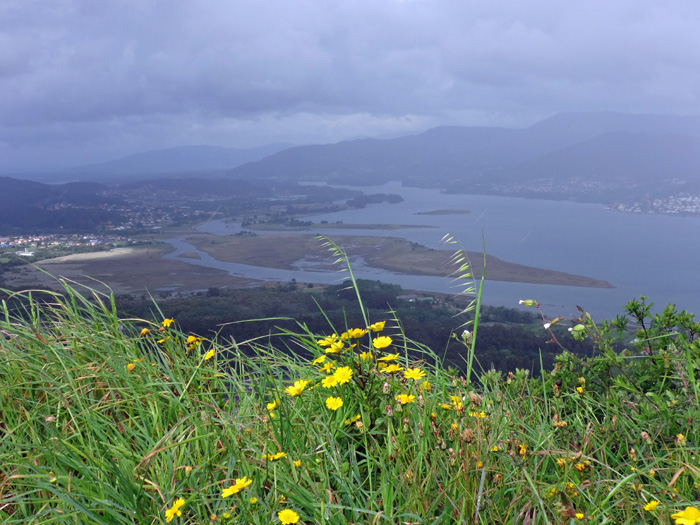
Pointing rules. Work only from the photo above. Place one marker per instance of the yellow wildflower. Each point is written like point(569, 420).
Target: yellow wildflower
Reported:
point(240, 484)
point(334, 403)
point(427, 386)
point(681, 439)
point(456, 402)
point(388, 358)
point(297, 463)
point(288, 517)
point(478, 415)
point(392, 369)
point(494, 448)
point(366, 356)
point(130, 366)
point(652, 505)
point(381, 341)
point(561, 462)
point(327, 367)
point(318, 360)
point(274, 457)
point(296, 389)
point(579, 389)
point(209, 355)
point(273, 405)
point(580, 515)
point(522, 450)
point(356, 333)
point(377, 327)
point(343, 375)
point(352, 419)
point(335, 348)
point(329, 382)
point(414, 373)
point(166, 324)
point(690, 516)
point(174, 510)
point(144, 332)
point(405, 398)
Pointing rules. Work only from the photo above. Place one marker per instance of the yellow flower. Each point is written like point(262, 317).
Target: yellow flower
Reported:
point(275, 457)
point(456, 402)
point(296, 389)
point(343, 375)
point(381, 341)
point(297, 463)
point(288, 517)
point(392, 369)
point(494, 448)
point(366, 356)
point(356, 333)
point(580, 515)
point(174, 510)
point(681, 439)
point(414, 373)
point(523, 450)
point(690, 516)
point(166, 324)
point(427, 386)
point(652, 505)
point(273, 405)
point(209, 355)
point(130, 366)
point(327, 367)
point(561, 462)
point(240, 484)
point(478, 415)
point(405, 398)
point(318, 360)
point(328, 341)
point(352, 419)
point(144, 332)
point(227, 515)
point(377, 327)
point(329, 382)
point(579, 389)
point(334, 403)
point(253, 501)
point(335, 348)
point(388, 358)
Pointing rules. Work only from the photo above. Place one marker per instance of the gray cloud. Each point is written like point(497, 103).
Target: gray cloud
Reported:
point(82, 80)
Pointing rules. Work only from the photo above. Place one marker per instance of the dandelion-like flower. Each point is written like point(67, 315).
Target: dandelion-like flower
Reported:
point(456, 402)
point(356, 333)
point(404, 399)
point(366, 356)
point(690, 516)
point(414, 373)
point(377, 327)
point(297, 388)
point(288, 517)
point(381, 341)
point(166, 324)
point(273, 405)
point(209, 355)
point(392, 369)
point(274, 457)
point(343, 375)
point(334, 403)
point(327, 367)
point(681, 439)
point(240, 484)
point(144, 332)
point(522, 450)
point(352, 419)
point(174, 510)
point(335, 348)
point(389, 358)
point(652, 505)
point(297, 463)
point(329, 382)
point(318, 360)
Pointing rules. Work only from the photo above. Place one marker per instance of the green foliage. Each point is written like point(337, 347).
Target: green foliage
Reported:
point(105, 422)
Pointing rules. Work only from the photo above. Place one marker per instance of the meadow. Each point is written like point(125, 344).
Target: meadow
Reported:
point(110, 419)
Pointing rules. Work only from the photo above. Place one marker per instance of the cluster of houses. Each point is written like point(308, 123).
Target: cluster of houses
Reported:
point(30, 243)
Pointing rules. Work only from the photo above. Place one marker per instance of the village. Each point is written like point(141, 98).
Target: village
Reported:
point(53, 245)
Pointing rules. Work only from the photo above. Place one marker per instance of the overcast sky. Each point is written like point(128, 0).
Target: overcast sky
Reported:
point(84, 81)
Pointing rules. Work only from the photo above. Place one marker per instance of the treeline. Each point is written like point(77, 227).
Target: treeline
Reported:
point(507, 338)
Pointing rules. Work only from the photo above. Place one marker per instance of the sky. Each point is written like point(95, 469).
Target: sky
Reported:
point(85, 81)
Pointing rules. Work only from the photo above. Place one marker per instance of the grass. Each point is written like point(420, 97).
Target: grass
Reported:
point(106, 419)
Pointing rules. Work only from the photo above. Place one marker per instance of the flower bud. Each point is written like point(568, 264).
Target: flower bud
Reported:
point(528, 302)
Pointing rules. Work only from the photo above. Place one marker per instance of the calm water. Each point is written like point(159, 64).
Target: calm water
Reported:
point(652, 255)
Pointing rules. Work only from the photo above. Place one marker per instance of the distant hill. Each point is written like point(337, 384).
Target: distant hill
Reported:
point(184, 159)
point(613, 148)
point(28, 206)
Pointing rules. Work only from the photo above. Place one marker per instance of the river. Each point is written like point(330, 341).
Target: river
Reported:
point(653, 255)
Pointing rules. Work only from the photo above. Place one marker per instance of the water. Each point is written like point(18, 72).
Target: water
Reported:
point(653, 255)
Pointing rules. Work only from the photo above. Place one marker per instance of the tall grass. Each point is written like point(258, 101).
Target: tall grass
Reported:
point(105, 422)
